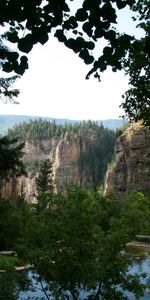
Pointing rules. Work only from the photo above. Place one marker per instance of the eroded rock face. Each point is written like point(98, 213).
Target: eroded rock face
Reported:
point(67, 157)
point(132, 162)
point(64, 156)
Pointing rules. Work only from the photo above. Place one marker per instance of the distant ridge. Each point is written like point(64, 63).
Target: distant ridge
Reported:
point(8, 121)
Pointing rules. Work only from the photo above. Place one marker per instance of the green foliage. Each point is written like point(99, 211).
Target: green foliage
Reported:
point(40, 129)
point(45, 181)
point(139, 208)
point(80, 29)
point(76, 243)
point(45, 185)
point(11, 153)
point(122, 129)
point(8, 263)
point(137, 99)
point(96, 18)
point(11, 284)
point(97, 155)
point(13, 217)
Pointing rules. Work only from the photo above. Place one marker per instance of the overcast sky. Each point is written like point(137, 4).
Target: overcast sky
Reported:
point(55, 86)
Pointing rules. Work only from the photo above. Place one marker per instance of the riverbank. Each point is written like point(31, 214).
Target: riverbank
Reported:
point(140, 247)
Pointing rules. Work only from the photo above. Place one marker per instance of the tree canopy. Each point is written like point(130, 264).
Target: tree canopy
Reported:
point(75, 245)
point(45, 185)
point(80, 25)
point(11, 154)
point(40, 129)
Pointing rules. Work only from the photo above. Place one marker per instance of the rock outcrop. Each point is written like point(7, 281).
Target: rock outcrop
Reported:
point(70, 158)
point(131, 169)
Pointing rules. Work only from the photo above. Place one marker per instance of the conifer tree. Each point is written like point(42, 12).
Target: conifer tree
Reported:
point(11, 154)
point(45, 181)
point(45, 184)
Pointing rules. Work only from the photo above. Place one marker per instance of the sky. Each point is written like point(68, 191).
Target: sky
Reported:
point(55, 86)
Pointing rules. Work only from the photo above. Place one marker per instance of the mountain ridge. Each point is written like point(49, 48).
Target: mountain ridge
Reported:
point(8, 121)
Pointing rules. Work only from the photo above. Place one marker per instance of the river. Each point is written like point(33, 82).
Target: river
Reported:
point(137, 266)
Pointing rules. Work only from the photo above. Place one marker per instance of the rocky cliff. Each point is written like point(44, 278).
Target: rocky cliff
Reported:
point(76, 159)
point(131, 169)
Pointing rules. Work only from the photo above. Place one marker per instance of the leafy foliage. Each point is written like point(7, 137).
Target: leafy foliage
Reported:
point(96, 19)
point(75, 245)
point(80, 29)
point(5, 92)
point(13, 213)
point(12, 283)
point(137, 99)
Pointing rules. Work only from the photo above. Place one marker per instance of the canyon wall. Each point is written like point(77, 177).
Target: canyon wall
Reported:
point(131, 170)
point(71, 158)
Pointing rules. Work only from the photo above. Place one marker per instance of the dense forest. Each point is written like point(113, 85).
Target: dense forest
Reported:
point(70, 245)
point(9, 121)
point(40, 129)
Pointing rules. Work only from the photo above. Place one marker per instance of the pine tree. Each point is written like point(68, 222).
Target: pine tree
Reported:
point(45, 185)
point(45, 180)
point(11, 154)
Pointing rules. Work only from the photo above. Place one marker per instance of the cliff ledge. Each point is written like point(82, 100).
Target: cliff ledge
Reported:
point(132, 162)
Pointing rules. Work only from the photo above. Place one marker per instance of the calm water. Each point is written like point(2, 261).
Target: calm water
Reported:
point(141, 266)
point(137, 266)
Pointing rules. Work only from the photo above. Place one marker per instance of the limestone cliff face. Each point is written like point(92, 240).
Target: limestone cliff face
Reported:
point(132, 162)
point(65, 153)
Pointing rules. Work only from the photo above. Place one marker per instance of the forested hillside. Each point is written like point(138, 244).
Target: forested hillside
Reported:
point(8, 121)
point(79, 153)
point(39, 129)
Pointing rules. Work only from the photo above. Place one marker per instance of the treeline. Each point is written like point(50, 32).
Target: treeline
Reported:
point(39, 129)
